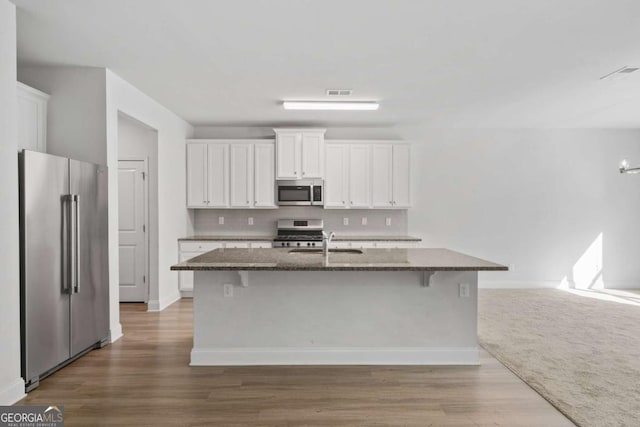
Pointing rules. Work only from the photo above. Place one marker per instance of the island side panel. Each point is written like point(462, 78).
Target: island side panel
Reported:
point(332, 317)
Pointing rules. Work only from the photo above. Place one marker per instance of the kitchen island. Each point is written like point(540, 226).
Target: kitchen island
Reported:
point(372, 306)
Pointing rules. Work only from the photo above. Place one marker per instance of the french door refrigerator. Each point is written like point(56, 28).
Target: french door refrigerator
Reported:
point(64, 283)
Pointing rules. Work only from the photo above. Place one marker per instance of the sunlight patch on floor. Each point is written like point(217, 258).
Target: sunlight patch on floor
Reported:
point(611, 295)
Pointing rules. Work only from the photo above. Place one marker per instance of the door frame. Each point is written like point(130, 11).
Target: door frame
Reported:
point(145, 190)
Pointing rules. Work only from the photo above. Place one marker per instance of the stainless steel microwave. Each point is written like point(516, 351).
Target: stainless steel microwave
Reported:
point(300, 192)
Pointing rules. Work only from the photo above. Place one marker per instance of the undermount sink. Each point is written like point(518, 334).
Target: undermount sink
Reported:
point(319, 251)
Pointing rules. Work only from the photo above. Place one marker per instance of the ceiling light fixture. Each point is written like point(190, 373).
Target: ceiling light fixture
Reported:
point(330, 105)
point(624, 167)
point(619, 73)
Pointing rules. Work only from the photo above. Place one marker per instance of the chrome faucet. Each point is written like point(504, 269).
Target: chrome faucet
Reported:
point(326, 241)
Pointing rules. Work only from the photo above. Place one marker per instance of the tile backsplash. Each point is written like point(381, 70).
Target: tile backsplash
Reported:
point(236, 221)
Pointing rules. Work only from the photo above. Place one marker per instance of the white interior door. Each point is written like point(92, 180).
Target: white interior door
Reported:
point(132, 224)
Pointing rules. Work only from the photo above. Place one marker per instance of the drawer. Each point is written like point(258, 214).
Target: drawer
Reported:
point(199, 246)
point(236, 244)
point(397, 244)
point(261, 245)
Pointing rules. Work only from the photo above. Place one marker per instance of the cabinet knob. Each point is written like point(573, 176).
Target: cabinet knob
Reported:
point(352, 202)
point(302, 173)
point(295, 172)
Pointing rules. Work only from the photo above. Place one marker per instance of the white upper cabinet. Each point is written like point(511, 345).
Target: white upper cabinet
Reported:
point(230, 174)
point(381, 182)
point(359, 176)
point(312, 154)
point(336, 183)
point(264, 176)
point(367, 174)
point(32, 118)
point(197, 168)
point(299, 153)
point(391, 177)
point(218, 175)
point(401, 176)
point(241, 183)
point(287, 148)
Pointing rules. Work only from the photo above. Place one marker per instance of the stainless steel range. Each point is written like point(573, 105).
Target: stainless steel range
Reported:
point(299, 232)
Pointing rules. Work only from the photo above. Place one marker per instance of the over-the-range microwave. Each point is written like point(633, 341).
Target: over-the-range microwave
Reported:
point(300, 192)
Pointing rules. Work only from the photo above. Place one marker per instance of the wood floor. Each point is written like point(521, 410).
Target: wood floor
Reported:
point(144, 379)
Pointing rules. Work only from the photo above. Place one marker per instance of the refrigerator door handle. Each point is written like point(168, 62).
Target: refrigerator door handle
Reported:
point(68, 261)
point(76, 269)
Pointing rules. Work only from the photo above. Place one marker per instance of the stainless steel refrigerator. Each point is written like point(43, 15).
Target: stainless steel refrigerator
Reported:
point(64, 262)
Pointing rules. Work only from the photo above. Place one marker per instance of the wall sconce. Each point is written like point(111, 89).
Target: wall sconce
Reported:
point(624, 167)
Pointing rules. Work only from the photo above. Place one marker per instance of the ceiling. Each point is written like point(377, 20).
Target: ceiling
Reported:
point(491, 63)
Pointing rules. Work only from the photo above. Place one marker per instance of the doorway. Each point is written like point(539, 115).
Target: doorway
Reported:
point(133, 220)
point(137, 166)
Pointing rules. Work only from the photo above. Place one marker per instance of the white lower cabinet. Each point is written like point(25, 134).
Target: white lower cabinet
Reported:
point(188, 249)
point(369, 244)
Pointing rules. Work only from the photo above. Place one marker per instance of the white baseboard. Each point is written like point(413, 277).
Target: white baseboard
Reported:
point(518, 284)
point(155, 305)
point(550, 284)
point(335, 356)
point(13, 392)
point(622, 284)
point(115, 332)
point(186, 294)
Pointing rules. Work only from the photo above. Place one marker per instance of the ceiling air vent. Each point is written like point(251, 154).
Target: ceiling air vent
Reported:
point(339, 92)
point(620, 73)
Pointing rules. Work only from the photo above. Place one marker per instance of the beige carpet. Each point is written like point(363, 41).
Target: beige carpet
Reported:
point(580, 353)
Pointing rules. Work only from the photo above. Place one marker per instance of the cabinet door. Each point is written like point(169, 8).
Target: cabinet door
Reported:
point(312, 154)
point(359, 176)
point(336, 183)
point(264, 179)
point(32, 118)
point(288, 159)
point(382, 177)
point(401, 176)
point(241, 171)
point(218, 176)
point(197, 175)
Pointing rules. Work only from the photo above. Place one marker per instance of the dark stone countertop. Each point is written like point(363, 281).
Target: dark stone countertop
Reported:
point(337, 238)
point(280, 259)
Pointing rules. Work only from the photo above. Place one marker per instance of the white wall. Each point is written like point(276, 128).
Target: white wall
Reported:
point(83, 124)
point(173, 218)
point(536, 199)
point(76, 125)
point(136, 139)
point(11, 384)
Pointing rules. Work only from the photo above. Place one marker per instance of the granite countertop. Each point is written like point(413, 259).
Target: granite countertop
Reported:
point(369, 260)
point(365, 238)
point(219, 237)
point(337, 238)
